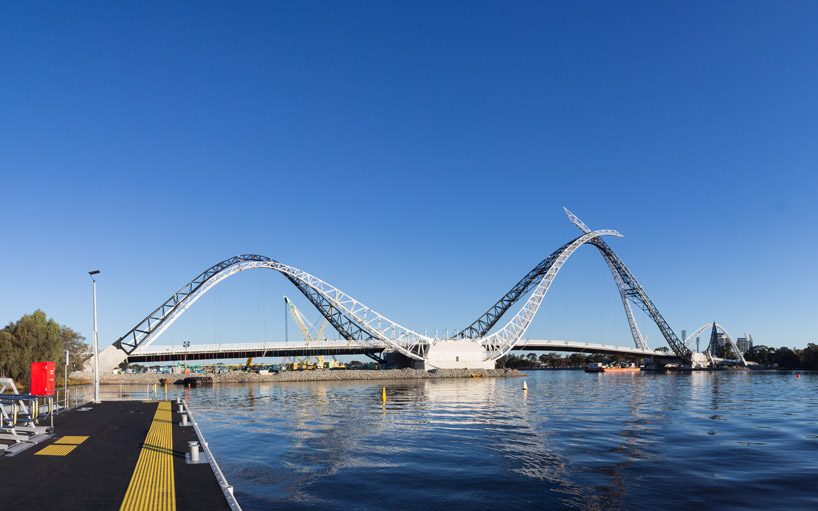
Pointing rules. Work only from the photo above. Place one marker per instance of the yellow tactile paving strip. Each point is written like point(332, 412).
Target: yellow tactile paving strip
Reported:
point(152, 486)
point(62, 446)
point(55, 450)
point(71, 440)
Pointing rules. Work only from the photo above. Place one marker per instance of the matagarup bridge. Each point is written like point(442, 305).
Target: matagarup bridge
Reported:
point(477, 346)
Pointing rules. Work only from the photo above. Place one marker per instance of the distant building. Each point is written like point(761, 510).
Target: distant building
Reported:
point(744, 344)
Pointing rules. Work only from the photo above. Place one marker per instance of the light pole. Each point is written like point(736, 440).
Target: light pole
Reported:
point(96, 336)
point(186, 344)
point(286, 324)
point(65, 380)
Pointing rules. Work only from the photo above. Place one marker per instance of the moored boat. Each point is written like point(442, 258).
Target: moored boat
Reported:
point(597, 367)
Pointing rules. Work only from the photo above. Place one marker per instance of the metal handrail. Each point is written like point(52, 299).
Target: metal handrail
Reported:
point(227, 488)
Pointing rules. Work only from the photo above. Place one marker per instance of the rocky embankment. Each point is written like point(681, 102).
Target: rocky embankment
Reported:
point(316, 375)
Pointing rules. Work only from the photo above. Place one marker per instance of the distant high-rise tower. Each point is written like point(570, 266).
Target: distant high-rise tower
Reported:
point(745, 344)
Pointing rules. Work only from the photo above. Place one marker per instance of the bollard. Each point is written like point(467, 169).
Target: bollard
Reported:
point(178, 400)
point(181, 408)
point(184, 419)
point(193, 448)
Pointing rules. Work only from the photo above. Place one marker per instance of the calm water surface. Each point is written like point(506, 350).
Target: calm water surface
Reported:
point(732, 440)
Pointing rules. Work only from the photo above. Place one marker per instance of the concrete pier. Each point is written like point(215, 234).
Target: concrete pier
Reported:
point(462, 354)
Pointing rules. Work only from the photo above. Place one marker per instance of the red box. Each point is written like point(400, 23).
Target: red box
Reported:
point(42, 378)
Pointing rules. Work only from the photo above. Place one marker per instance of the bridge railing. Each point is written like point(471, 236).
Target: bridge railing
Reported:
point(207, 348)
point(552, 342)
point(329, 344)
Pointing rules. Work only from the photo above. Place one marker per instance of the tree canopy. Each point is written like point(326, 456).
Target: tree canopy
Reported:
point(785, 358)
point(35, 337)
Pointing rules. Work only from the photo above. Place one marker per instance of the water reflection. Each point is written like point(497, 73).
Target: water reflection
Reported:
point(573, 441)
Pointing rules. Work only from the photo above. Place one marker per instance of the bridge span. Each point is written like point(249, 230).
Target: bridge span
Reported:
point(170, 353)
point(478, 345)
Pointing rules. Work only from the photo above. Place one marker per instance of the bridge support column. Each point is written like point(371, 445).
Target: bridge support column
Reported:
point(699, 361)
point(396, 360)
point(465, 354)
point(109, 359)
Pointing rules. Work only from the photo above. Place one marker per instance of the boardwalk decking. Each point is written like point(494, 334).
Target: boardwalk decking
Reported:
point(96, 456)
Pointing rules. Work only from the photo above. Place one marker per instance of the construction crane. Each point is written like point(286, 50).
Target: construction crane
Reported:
point(306, 328)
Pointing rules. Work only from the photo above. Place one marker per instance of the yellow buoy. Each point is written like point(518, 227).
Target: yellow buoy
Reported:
point(383, 394)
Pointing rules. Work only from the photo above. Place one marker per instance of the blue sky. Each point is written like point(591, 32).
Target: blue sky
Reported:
point(415, 155)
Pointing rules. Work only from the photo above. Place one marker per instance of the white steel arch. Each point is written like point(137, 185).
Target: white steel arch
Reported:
point(692, 337)
point(398, 337)
point(502, 341)
point(382, 330)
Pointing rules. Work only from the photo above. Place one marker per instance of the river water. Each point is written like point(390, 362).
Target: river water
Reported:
point(726, 440)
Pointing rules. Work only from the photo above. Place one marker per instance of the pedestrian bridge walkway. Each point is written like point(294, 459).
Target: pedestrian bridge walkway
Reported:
point(166, 353)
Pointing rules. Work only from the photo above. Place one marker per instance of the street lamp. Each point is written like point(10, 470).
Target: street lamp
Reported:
point(186, 344)
point(96, 336)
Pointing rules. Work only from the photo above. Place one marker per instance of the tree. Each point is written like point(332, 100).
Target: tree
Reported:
point(526, 362)
point(34, 337)
point(576, 360)
point(809, 357)
point(760, 354)
point(550, 360)
point(78, 351)
point(787, 358)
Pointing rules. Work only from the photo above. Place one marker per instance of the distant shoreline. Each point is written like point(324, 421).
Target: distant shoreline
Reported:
point(296, 376)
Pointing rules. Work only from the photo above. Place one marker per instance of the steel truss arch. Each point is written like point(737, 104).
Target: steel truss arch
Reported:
point(481, 326)
point(350, 317)
point(502, 341)
point(733, 346)
point(629, 288)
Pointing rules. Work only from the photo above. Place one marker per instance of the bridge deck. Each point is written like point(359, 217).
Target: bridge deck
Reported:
point(96, 456)
point(328, 348)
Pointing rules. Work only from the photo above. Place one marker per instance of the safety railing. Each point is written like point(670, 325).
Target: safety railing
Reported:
point(78, 395)
point(66, 398)
point(132, 391)
point(227, 488)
